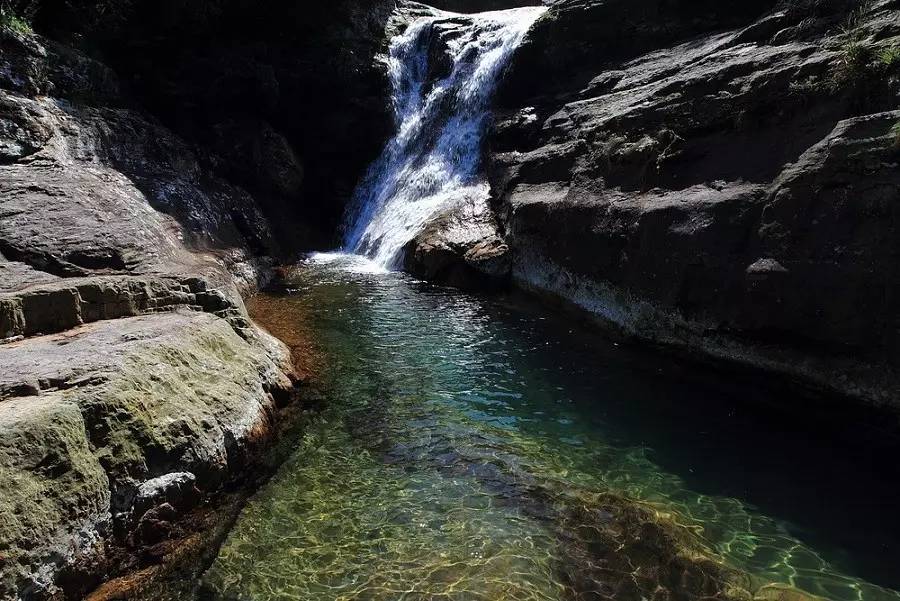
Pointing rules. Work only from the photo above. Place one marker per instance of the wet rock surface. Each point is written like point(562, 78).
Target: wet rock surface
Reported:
point(717, 177)
point(470, 233)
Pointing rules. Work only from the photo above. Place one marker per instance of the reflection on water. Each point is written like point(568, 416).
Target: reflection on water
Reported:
point(472, 450)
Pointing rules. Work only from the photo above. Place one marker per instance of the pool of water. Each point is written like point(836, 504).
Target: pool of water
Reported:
point(475, 448)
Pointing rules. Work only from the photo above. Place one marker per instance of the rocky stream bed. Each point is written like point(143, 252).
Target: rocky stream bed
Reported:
point(716, 179)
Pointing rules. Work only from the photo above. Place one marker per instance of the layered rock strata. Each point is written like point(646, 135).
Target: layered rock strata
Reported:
point(133, 385)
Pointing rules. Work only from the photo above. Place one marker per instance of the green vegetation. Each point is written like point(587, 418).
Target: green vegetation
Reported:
point(890, 57)
point(895, 131)
point(80, 15)
point(863, 61)
point(854, 65)
point(17, 15)
point(862, 65)
point(14, 22)
point(858, 62)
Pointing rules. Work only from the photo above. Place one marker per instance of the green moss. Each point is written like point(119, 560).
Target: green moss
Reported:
point(12, 21)
point(52, 483)
point(173, 401)
point(176, 390)
point(18, 14)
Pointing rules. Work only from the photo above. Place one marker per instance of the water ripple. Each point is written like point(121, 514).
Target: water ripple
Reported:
point(472, 452)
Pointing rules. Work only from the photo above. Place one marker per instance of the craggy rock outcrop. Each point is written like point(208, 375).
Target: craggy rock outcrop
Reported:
point(94, 417)
point(720, 177)
point(133, 384)
point(287, 98)
point(469, 233)
point(126, 192)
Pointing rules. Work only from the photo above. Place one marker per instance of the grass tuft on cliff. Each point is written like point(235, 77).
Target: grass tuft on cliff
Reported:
point(14, 22)
point(890, 57)
point(18, 14)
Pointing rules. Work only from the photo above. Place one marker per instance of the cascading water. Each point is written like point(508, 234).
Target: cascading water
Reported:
point(442, 106)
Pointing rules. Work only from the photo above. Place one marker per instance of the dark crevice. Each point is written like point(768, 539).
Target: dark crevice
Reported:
point(26, 389)
point(41, 261)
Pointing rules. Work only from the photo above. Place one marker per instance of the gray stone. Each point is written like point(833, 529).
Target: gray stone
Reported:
point(659, 161)
point(91, 416)
point(178, 490)
point(132, 379)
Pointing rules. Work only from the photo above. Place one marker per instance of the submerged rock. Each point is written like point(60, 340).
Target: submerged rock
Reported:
point(780, 592)
point(615, 548)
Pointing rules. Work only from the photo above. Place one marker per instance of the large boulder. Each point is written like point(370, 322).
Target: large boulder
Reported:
point(462, 247)
point(86, 435)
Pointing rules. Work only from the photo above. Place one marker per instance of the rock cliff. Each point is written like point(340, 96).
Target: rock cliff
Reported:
point(718, 177)
point(287, 98)
point(133, 385)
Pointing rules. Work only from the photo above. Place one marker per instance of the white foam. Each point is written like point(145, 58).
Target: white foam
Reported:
point(433, 162)
point(347, 262)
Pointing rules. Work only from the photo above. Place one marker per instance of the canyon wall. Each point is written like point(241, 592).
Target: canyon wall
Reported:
point(717, 177)
point(155, 163)
point(720, 178)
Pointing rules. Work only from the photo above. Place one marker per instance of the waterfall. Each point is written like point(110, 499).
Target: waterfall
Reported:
point(443, 73)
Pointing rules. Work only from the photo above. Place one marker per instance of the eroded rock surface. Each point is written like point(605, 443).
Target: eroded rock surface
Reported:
point(720, 177)
point(133, 384)
point(94, 417)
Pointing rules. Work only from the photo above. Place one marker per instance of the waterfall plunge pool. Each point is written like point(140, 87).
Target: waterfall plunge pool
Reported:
point(474, 448)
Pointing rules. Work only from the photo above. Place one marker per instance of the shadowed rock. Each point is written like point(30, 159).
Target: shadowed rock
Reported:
point(711, 176)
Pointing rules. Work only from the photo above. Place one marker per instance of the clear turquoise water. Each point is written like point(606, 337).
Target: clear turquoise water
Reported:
point(458, 426)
